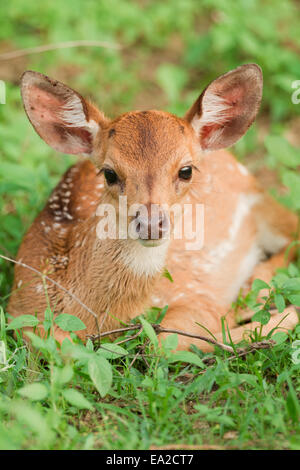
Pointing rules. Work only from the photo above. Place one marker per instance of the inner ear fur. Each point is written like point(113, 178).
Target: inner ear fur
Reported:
point(227, 107)
point(60, 115)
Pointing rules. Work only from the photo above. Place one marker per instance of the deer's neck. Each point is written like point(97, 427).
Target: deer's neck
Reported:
point(115, 276)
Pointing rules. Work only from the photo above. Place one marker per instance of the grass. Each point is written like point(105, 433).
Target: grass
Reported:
point(75, 397)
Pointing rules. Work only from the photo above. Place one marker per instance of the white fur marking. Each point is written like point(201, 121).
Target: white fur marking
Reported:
point(242, 169)
point(215, 111)
point(246, 268)
point(144, 261)
point(39, 288)
point(217, 254)
point(269, 241)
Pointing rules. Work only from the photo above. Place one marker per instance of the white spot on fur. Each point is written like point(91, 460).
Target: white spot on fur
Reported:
point(190, 286)
point(178, 296)
point(242, 169)
point(156, 300)
point(39, 288)
point(246, 267)
point(269, 241)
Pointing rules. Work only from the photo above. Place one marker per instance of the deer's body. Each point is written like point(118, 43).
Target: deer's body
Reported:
point(242, 226)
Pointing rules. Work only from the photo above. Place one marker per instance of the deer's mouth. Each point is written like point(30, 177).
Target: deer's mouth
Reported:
point(152, 243)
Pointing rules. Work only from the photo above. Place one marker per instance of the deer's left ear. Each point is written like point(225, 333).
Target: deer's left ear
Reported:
point(60, 115)
point(227, 107)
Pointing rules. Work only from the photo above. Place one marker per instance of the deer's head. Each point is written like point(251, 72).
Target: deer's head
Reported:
point(147, 156)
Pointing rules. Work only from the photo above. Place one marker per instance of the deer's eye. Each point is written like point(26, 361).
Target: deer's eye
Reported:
point(185, 173)
point(110, 176)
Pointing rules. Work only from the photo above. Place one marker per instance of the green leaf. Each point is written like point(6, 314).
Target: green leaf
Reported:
point(214, 415)
point(280, 279)
point(67, 322)
point(47, 323)
point(42, 343)
point(149, 331)
point(77, 351)
point(258, 284)
point(172, 80)
point(76, 399)
point(162, 314)
point(23, 321)
point(186, 356)
point(280, 337)
point(293, 270)
point(292, 403)
point(292, 181)
point(292, 284)
point(294, 299)
point(170, 343)
point(36, 341)
point(100, 372)
point(223, 419)
point(35, 391)
point(167, 275)
point(63, 375)
point(262, 316)
point(33, 420)
point(283, 151)
point(111, 351)
point(279, 302)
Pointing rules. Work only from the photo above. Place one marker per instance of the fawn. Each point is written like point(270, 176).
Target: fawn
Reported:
point(155, 159)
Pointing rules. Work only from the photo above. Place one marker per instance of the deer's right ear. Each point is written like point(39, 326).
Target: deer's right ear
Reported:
point(60, 116)
point(227, 107)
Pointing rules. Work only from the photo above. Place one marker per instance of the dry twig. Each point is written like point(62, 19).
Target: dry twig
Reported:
point(159, 329)
point(60, 45)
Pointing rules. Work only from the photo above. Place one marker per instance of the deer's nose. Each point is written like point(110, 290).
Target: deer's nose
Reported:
point(153, 224)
